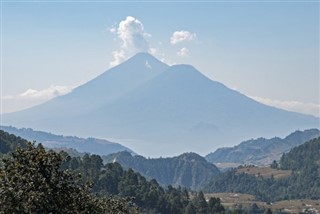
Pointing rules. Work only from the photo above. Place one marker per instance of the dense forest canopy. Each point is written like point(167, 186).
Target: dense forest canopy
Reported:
point(33, 180)
point(304, 182)
point(187, 170)
point(9, 142)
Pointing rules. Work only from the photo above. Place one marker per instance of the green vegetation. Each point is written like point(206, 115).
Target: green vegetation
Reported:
point(112, 180)
point(265, 172)
point(261, 151)
point(33, 180)
point(303, 183)
point(49, 140)
point(10, 142)
point(187, 170)
point(305, 156)
point(233, 200)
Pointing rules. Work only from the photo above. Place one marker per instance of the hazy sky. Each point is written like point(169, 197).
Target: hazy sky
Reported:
point(266, 50)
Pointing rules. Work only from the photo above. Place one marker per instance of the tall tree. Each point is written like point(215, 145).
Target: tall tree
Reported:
point(200, 203)
point(31, 181)
point(215, 205)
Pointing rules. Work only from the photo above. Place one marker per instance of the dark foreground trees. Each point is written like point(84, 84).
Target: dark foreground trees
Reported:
point(31, 182)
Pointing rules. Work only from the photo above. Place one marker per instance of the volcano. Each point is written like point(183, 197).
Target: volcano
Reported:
point(160, 110)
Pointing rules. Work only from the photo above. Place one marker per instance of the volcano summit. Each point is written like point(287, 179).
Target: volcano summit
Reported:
point(160, 110)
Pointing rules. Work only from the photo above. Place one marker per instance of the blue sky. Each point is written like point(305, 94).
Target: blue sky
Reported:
point(266, 50)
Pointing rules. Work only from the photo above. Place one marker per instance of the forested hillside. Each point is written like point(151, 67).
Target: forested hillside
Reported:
point(112, 180)
point(303, 157)
point(187, 170)
point(30, 173)
point(49, 140)
point(261, 151)
point(304, 182)
point(9, 142)
point(34, 180)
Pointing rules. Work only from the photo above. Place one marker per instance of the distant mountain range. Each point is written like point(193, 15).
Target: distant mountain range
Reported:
point(302, 183)
point(159, 110)
point(261, 151)
point(187, 170)
point(49, 140)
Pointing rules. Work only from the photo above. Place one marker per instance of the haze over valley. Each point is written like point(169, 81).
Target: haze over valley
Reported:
point(180, 107)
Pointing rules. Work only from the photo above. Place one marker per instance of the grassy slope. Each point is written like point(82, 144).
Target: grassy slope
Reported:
point(246, 200)
point(265, 172)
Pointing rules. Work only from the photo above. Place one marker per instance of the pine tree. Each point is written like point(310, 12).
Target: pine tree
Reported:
point(32, 181)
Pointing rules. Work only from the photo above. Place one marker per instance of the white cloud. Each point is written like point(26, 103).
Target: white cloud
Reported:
point(113, 30)
point(296, 106)
point(153, 51)
point(48, 93)
point(183, 52)
point(159, 55)
point(182, 36)
point(32, 97)
point(118, 57)
point(45, 94)
point(133, 39)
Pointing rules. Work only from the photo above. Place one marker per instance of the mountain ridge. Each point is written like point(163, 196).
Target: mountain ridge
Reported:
point(168, 113)
point(105, 87)
point(187, 170)
point(261, 151)
point(49, 140)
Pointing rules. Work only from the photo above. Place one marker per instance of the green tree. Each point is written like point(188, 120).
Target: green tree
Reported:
point(190, 209)
point(9, 142)
point(268, 211)
point(274, 165)
point(31, 181)
point(215, 205)
point(200, 203)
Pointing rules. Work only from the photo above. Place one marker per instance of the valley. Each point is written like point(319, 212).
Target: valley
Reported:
point(159, 107)
point(265, 172)
point(254, 189)
point(287, 206)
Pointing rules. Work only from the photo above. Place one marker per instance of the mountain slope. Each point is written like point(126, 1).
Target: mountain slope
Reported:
point(188, 170)
point(303, 182)
point(261, 151)
point(183, 106)
point(303, 157)
point(89, 145)
point(90, 96)
point(160, 110)
point(10, 142)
